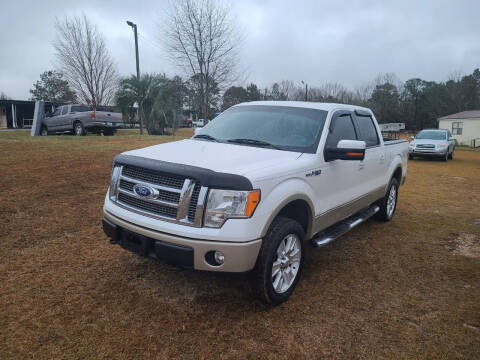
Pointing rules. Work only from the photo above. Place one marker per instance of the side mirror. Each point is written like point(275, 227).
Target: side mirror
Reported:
point(346, 150)
point(412, 137)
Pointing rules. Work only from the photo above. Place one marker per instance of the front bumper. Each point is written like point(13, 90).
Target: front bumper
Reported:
point(430, 153)
point(180, 251)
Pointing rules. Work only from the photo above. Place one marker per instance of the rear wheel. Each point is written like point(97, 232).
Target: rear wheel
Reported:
point(279, 262)
point(78, 129)
point(388, 204)
point(43, 131)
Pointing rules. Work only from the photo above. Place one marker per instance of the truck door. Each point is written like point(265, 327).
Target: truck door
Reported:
point(63, 119)
point(52, 122)
point(337, 186)
point(373, 167)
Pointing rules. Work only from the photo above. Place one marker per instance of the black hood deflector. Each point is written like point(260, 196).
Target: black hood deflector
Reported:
point(206, 177)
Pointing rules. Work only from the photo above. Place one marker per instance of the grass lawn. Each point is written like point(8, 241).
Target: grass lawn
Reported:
point(405, 289)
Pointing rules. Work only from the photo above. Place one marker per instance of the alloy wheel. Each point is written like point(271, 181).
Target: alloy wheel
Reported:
point(287, 263)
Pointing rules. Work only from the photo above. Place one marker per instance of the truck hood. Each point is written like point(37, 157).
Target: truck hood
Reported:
point(220, 157)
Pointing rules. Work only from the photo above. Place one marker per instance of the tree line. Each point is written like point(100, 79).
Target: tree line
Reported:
point(416, 102)
point(203, 42)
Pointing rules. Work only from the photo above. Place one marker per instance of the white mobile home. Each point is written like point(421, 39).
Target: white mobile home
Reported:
point(464, 126)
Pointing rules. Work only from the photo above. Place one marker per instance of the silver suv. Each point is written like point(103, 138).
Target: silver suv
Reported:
point(437, 143)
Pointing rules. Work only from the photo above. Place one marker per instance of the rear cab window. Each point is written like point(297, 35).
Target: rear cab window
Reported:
point(64, 110)
point(367, 130)
point(79, 108)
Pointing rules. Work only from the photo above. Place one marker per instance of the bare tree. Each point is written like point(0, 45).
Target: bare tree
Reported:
point(201, 38)
point(85, 61)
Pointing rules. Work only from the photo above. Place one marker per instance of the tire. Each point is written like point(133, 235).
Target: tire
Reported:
point(283, 232)
point(78, 129)
point(451, 155)
point(108, 133)
point(410, 157)
point(43, 131)
point(446, 157)
point(386, 211)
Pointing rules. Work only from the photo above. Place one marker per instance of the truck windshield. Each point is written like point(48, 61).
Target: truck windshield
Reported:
point(431, 135)
point(280, 127)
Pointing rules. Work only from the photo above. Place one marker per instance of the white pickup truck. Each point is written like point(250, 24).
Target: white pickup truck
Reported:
point(254, 189)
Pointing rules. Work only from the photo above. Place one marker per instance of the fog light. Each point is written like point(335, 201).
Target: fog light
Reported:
point(219, 257)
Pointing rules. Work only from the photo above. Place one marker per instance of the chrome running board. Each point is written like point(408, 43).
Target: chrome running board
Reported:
point(333, 232)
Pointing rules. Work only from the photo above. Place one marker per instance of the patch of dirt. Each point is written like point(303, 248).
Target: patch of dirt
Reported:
point(466, 245)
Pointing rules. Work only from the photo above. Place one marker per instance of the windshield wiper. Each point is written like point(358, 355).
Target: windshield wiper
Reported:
point(253, 142)
point(206, 137)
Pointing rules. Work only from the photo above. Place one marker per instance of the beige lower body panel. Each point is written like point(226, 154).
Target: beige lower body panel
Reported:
point(342, 212)
point(239, 257)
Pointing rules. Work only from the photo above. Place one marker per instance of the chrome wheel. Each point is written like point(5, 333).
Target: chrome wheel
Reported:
point(392, 200)
point(287, 263)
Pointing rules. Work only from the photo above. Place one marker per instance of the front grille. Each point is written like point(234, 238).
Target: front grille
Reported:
point(170, 189)
point(193, 202)
point(156, 209)
point(173, 197)
point(153, 177)
point(426, 146)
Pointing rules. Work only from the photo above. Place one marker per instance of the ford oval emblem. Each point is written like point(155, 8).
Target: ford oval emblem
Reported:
point(144, 190)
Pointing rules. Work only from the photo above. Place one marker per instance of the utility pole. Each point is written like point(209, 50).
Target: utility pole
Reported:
point(306, 90)
point(134, 27)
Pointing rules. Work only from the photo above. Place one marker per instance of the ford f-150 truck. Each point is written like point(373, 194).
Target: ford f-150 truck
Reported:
point(80, 119)
point(254, 189)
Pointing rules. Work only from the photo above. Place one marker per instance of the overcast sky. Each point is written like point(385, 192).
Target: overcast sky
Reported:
point(349, 42)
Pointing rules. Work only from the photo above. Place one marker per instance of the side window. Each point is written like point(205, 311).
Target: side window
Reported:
point(343, 130)
point(64, 110)
point(368, 132)
point(57, 111)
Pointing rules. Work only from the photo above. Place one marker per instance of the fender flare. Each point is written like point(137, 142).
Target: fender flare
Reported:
point(281, 205)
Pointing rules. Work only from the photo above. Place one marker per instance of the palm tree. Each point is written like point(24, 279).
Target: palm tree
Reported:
point(157, 100)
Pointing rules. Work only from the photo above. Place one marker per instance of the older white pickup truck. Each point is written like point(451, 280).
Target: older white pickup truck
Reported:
point(254, 189)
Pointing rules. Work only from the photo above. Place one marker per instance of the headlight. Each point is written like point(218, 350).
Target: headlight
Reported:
point(441, 146)
point(227, 204)
point(116, 170)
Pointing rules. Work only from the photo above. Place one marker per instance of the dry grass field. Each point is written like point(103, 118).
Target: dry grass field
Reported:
point(406, 289)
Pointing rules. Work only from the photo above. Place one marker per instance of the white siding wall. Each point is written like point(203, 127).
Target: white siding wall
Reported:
point(471, 129)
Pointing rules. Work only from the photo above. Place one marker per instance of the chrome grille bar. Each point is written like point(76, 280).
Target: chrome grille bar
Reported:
point(187, 210)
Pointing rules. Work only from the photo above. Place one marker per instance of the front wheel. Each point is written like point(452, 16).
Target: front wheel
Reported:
point(43, 131)
point(446, 157)
point(451, 155)
point(279, 262)
point(388, 204)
